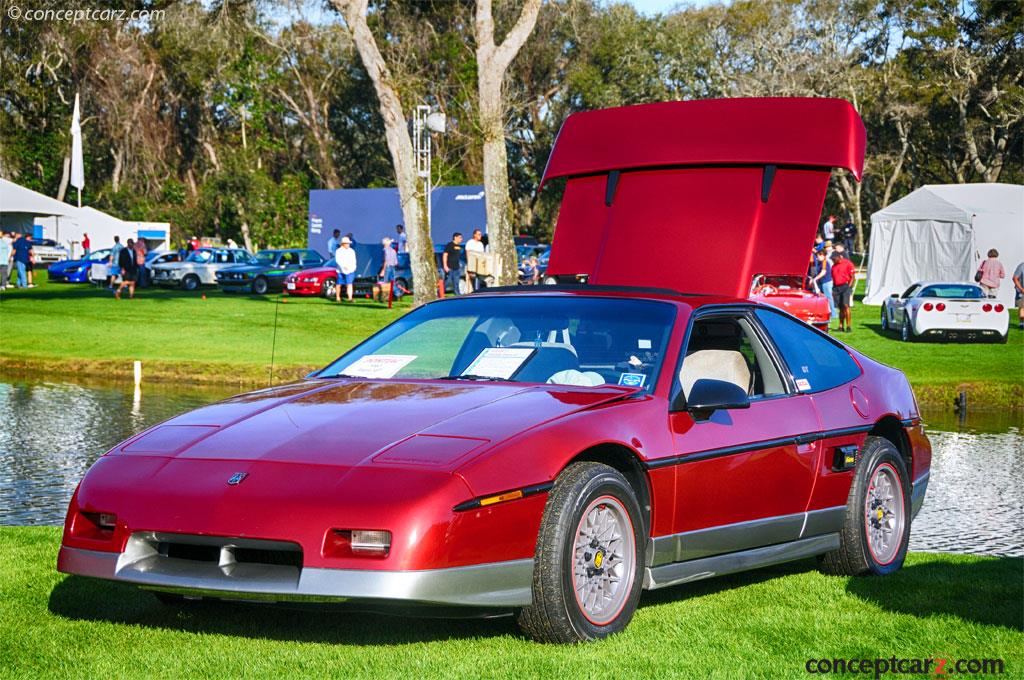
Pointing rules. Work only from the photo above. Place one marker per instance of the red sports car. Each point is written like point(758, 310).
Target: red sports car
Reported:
point(553, 450)
point(792, 294)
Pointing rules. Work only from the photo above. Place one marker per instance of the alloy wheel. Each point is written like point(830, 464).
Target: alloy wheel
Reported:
point(603, 560)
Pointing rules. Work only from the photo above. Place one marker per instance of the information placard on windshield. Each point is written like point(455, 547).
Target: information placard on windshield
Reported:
point(499, 362)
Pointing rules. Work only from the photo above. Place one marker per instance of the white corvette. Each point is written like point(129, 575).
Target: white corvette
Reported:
point(948, 311)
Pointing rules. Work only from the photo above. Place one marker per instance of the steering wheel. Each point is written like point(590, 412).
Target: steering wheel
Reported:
point(768, 289)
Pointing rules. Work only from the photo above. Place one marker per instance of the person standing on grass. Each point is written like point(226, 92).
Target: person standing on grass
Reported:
point(387, 269)
point(345, 256)
point(129, 270)
point(828, 228)
point(990, 273)
point(823, 282)
point(333, 242)
point(1018, 288)
point(849, 234)
point(22, 259)
point(6, 254)
point(86, 243)
point(843, 274)
point(113, 266)
point(140, 263)
point(451, 262)
point(475, 245)
point(401, 240)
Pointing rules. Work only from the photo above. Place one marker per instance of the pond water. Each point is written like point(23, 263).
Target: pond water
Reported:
point(51, 432)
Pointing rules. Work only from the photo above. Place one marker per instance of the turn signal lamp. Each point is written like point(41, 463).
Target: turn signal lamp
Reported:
point(357, 542)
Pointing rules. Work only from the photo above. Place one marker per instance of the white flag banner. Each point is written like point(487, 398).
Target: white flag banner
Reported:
point(77, 167)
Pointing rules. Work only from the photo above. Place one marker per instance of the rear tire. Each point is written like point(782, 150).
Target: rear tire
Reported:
point(906, 332)
point(876, 531)
point(588, 568)
point(190, 282)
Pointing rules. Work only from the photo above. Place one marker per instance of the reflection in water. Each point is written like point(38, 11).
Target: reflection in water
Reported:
point(51, 432)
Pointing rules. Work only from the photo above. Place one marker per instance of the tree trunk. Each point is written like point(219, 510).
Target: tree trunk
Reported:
point(499, 225)
point(493, 61)
point(421, 248)
point(65, 177)
point(245, 229)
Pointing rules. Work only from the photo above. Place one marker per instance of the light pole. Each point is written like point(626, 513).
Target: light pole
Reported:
point(423, 124)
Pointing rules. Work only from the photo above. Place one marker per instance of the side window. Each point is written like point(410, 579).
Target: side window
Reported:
point(311, 257)
point(817, 363)
point(909, 291)
point(727, 348)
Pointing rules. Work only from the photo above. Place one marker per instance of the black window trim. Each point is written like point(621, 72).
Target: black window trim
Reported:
point(826, 336)
point(735, 311)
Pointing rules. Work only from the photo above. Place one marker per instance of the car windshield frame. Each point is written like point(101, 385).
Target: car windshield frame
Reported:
point(528, 313)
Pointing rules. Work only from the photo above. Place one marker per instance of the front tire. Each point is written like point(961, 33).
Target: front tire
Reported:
point(190, 282)
point(587, 572)
point(327, 287)
point(876, 530)
point(260, 286)
point(885, 319)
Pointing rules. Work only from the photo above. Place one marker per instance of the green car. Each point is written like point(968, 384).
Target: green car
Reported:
point(266, 271)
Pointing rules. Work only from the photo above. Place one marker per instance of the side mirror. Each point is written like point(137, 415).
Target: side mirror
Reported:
point(707, 396)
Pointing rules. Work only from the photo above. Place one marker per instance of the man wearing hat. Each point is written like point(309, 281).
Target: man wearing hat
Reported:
point(345, 256)
point(843, 276)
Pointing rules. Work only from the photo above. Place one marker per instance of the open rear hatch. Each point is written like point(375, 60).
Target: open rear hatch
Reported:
point(697, 196)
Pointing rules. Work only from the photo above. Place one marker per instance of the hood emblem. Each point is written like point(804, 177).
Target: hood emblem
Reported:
point(237, 478)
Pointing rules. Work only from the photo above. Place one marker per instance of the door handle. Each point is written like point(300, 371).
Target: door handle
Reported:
point(805, 448)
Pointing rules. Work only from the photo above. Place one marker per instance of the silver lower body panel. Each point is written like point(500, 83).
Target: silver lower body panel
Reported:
point(495, 584)
point(920, 487)
point(719, 565)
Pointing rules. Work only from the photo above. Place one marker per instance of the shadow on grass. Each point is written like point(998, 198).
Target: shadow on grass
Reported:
point(989, 592)
point(728, 582)
point(79, 598)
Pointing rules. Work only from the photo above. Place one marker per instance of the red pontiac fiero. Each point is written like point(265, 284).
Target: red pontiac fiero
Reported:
point(552, 451)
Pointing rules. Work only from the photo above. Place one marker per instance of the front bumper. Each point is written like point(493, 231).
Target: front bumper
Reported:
point(303, 288)
point(496, 584)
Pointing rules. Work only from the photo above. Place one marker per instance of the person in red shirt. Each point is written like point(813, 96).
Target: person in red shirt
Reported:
point(843, 274)
point(86, 244)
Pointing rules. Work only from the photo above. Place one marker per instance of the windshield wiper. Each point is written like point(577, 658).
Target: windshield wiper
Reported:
point(470, 376)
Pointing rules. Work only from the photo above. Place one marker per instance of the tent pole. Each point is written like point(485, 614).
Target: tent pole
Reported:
point(79, 197)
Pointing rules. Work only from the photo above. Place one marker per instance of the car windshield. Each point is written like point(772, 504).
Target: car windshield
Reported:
point(963, 291)
point(97, 255)
point(567, 340)
point(780, 282)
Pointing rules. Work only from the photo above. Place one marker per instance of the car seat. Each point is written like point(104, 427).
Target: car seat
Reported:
point(728, 365)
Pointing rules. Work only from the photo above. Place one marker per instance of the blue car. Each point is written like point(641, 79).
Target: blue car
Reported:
point(76, 271)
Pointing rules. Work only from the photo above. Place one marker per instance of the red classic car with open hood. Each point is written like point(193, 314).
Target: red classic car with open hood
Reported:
point(793, 294)
point(551, 451)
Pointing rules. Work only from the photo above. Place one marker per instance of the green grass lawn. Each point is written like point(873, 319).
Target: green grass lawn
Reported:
point(69, 328)
point(766, 623)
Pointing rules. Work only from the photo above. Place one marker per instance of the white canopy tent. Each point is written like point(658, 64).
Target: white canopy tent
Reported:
point(942, 232)
point(33, 213)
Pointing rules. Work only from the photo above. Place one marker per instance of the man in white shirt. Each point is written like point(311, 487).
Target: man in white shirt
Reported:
point(345, 256)
point(828, 228)
point(474, 245)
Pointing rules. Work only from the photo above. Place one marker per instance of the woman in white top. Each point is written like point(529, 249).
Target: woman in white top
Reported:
point(346, 259)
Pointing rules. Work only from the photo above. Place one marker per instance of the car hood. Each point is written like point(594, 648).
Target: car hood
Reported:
point(432, 424)
point(646, 185)
point(315, 271)
point(64, 264)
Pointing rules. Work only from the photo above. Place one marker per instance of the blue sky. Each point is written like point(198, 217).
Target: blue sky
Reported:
point(661, 6)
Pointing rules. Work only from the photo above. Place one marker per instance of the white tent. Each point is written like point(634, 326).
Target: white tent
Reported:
point(942, 232)
point(28, 211)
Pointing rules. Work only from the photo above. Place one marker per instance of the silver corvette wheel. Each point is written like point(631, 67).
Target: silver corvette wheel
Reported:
point(883, 514)
point(603, 560)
